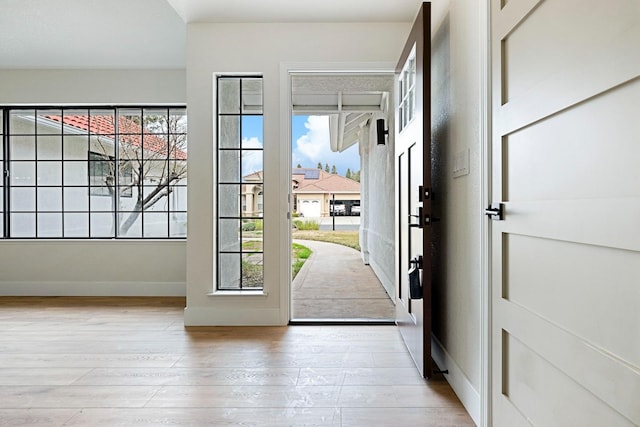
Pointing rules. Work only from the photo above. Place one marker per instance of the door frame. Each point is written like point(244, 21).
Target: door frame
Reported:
point(287, 69)
point(484, 110)
point(484, 37)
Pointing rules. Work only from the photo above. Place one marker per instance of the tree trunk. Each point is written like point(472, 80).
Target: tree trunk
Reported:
point(125, 226)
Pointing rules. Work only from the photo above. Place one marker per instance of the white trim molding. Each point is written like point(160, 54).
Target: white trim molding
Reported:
point(93, 289)
point(232, 316)
point(469, 396)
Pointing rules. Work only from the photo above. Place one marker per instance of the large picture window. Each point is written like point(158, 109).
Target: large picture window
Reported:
point(240, 183)
point(83, 172)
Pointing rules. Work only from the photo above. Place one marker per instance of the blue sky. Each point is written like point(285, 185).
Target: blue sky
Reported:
point(309, 145)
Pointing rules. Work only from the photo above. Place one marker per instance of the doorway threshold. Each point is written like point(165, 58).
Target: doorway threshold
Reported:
point(355, 322)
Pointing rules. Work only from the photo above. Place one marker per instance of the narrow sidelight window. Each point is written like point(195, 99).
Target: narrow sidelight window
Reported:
point(240, 183)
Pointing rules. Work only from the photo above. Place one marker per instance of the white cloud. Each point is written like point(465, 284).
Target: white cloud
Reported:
point(314, 146)
point(252, 161)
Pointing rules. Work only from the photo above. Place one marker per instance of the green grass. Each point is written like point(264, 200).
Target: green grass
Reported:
point(252, 275)
point(252, 245)
point(345, 238)
point(308, 224)
point(299, 254)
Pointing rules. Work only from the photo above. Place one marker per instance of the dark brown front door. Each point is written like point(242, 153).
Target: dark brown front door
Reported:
point(413, 163)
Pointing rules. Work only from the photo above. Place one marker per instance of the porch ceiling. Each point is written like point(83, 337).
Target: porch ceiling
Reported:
point(350, 101)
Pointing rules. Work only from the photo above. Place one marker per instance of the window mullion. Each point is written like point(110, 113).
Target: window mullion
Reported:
point(116, 172)
point(6, 174)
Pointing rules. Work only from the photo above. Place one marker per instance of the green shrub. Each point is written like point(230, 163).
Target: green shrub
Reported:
point(249, 226)
point(252, 225)
point(306, 225)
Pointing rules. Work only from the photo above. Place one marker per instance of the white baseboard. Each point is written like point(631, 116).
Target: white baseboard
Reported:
point(94, 289)
point(234, 316)
point(468, 395)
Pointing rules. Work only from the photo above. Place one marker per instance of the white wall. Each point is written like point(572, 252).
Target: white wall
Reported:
point(457, 83)
point(105, 267)
point(96, 268)
point(79, 86)
point(257, 48)
point(377, 217)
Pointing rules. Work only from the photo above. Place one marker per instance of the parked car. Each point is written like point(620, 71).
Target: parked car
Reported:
point(337, 209)
point(355, 210)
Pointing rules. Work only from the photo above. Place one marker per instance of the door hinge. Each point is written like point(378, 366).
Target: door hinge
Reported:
point(495, 213)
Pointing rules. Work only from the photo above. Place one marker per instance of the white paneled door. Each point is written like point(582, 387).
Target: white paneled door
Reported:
point(566, 255)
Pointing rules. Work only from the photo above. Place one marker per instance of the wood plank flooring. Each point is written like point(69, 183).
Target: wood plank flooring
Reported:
point(81, 361)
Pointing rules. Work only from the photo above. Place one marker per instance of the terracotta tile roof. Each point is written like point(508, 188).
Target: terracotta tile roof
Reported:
point(315, 181)
point(329, 184)
point(324, 183)
point(130, 132)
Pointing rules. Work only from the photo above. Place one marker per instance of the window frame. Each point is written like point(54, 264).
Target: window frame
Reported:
point(242, 185)
point(56, 121)
point(406, 91)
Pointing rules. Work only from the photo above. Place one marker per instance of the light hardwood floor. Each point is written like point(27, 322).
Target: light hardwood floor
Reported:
point(130, 362)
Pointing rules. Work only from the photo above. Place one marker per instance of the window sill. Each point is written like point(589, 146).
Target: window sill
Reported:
point(260, 293)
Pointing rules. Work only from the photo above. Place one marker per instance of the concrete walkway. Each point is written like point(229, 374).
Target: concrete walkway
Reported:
point(334, 283)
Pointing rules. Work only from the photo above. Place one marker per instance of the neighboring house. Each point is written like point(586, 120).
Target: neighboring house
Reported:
point(317, 193)
point(252, 197)
point(313, 191)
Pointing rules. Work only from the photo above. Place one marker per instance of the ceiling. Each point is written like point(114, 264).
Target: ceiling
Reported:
point(152, 33)
point(91, 34)
point(296, 10)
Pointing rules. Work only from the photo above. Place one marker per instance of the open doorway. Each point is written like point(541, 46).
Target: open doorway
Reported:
point(342, 188)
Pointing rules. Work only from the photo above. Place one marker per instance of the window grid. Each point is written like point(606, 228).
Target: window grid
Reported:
point(239, 252)
point(407, 88)
point(52, 154)
point(5, 176)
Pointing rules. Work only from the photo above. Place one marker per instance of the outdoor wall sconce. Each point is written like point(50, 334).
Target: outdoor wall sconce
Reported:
point(381, 131)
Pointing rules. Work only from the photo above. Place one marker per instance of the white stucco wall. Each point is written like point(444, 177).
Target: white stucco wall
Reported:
point(257, 48)
point(457, 83)
point(377, 217)
point(101, 267)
